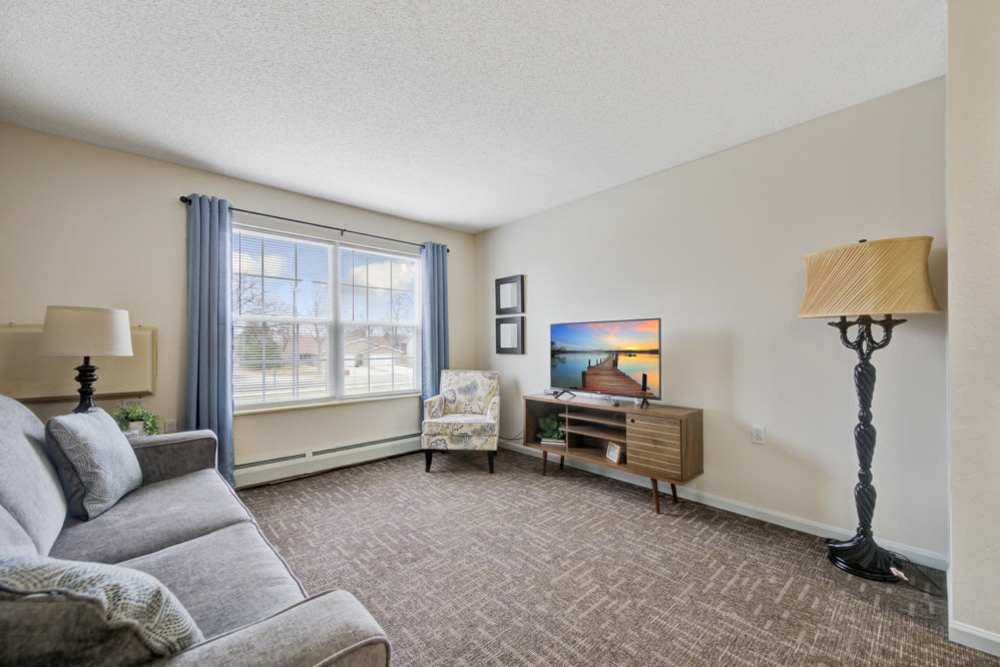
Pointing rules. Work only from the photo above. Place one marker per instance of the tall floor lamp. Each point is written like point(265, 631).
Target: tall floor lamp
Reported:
point(863, 280)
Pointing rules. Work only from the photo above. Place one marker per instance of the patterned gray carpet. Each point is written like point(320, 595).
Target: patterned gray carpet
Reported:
point(464, 568)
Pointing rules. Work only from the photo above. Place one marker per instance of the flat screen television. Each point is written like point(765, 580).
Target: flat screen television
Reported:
point(609, 357)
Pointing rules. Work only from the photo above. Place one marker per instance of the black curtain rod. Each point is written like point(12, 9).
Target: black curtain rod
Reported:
point(342, 230)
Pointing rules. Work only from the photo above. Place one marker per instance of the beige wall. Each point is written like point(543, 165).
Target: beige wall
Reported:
point(715, 249)
point(91, 226)
point(974, 319)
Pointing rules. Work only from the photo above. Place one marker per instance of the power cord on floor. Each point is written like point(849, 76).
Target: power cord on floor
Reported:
point(919, 569)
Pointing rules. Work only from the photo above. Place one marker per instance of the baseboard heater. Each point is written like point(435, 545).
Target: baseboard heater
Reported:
point(319, 460)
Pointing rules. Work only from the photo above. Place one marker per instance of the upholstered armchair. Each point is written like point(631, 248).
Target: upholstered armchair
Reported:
point(465, 415)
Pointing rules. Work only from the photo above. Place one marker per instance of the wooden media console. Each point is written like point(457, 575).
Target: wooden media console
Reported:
point(659, 442)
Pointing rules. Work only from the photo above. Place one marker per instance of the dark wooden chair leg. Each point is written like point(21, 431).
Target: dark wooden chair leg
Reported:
point(673, 491)
point(656, 495)
point(428, 454)
point(545, 459)
point(562, 459)
point(492, 455)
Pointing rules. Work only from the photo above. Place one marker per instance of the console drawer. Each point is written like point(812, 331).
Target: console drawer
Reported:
point(654, 443)
point(654, 431)
point(659, 468)
point(653, 425)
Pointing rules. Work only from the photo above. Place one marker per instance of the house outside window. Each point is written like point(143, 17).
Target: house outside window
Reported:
point(316, 320)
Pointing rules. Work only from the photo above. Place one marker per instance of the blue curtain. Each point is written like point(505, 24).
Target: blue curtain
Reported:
point(209, 397)
point(435, 316)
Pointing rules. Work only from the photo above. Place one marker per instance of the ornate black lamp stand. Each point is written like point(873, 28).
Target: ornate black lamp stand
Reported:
point(861, 555)
point(86, 375)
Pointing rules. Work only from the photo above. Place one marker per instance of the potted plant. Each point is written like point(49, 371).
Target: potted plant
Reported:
point(550, 431)
point(129, 418)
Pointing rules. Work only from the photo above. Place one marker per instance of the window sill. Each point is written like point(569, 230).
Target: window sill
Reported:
point(286, 407)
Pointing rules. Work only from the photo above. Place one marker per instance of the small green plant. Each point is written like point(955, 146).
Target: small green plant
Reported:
point(136, 413)
point(549, 427)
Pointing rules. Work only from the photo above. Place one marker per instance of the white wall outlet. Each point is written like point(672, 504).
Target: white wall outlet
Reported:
point(169, 426)
point(758, 435)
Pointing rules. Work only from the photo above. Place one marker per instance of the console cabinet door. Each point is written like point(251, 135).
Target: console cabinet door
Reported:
point(654, 444)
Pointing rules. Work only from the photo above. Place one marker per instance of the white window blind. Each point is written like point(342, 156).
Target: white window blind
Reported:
point(291, 340)
point(378, 321)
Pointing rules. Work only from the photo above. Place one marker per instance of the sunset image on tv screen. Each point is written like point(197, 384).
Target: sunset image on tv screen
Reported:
point(607, 357)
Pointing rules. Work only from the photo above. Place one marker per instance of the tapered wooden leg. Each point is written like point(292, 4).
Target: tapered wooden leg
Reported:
point(427, 459)
point(545, 460)
point(673, 491)
point(491, 455)
point(656, 495)
point(562, 459)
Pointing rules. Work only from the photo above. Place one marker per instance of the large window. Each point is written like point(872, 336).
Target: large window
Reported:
point(378, 320)
point(316, 320)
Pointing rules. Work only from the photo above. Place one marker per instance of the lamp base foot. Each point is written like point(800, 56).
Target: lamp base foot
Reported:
point(863, 557)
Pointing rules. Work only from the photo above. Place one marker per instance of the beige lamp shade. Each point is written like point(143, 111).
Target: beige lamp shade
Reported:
point(74, 331)
point(883, 277)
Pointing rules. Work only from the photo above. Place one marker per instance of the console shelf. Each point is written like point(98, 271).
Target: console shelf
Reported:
point(575, 416)
point(600, 433)
point(659, 442)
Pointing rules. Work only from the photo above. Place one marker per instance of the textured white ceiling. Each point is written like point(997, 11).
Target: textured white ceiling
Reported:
point(466, 113)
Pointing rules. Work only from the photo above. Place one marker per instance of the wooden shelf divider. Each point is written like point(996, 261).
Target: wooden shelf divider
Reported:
point(583, 417)
point(600, 433)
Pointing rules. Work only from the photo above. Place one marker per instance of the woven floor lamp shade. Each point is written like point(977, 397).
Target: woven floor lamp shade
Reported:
point(869, 278)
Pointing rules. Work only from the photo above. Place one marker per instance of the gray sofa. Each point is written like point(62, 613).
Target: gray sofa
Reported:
point(186, 527)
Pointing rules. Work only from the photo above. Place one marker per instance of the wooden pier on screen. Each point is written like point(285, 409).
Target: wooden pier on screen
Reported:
point(606, 378)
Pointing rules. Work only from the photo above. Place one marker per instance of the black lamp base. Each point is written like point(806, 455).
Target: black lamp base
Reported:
point(862, 557)
point(86, 375)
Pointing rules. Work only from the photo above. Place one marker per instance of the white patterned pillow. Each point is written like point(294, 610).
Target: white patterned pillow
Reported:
point(70, 612)
point(95, 462)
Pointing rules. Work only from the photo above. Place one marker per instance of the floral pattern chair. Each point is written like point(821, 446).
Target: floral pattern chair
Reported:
point(465, 415)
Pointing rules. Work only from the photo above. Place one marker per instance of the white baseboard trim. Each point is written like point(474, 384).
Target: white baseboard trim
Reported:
point(309, 463)
point(915, 554)
point(973, 637)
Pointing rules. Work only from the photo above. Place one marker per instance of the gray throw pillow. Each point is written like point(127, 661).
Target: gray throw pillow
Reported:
point(69, 612)
point(95, 462)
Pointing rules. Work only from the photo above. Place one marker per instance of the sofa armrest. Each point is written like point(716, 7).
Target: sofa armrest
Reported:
point(174, 454)
point(434, 407)
point(329, 629)
point(493, 410)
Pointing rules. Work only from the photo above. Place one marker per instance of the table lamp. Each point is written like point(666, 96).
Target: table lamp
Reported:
point(73, 331)
point(863, 280)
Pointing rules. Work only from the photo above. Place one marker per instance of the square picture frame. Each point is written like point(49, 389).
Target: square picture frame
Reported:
point(509, 293)
point(613, 452)
point(510, 335)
